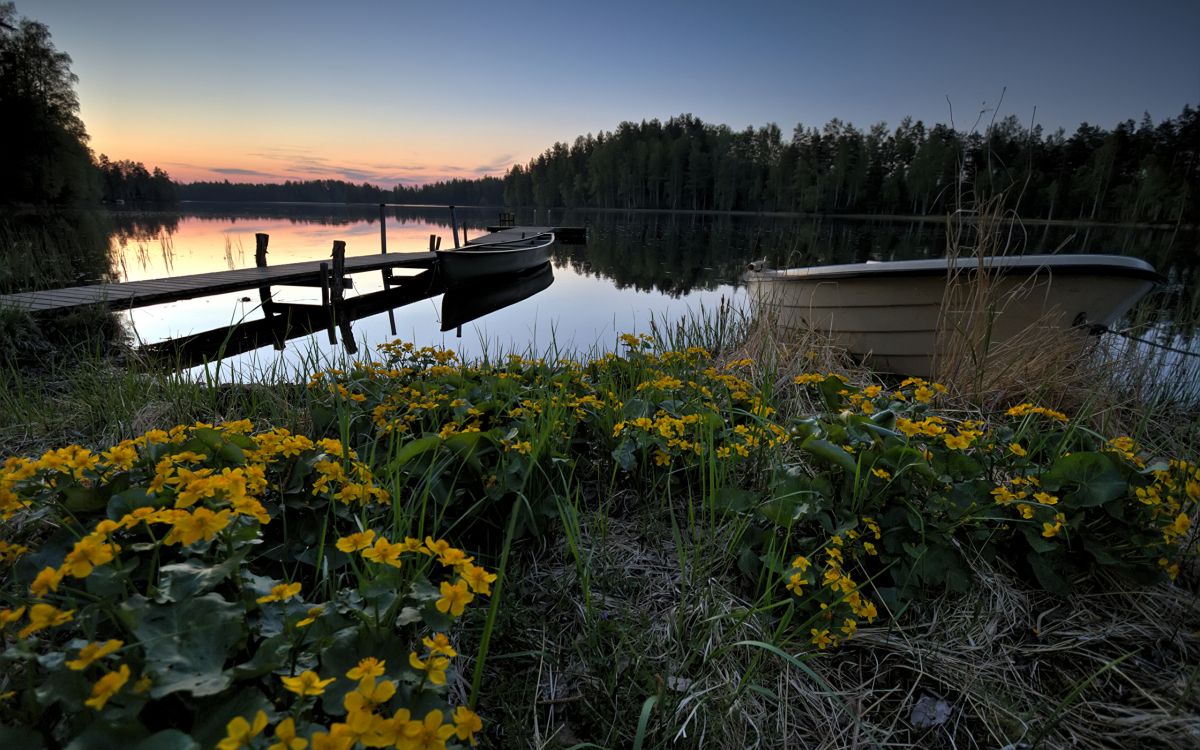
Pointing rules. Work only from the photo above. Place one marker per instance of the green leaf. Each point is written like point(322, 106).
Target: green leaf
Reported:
point(1096, 478)
point(168, 739)
point(101, 736)
point(19, 737)
point(830, 454)
point(1043, 569)
point(414, 448)
point(1038, 543)
point(734, 499)
point(214, 713)
point(187, 644)
point(131, 499)
point(182, 580)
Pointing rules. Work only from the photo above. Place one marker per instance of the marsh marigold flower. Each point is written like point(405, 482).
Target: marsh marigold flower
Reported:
point(107, 686)
point(285, 736)
point(280, 592)
point(477, 578)
point(307, 682)
point(368, 667)
point(455, 598)
point(239, 732)
point(356, 542)
point(93, 652)
point(466, 724)
point(42, 616)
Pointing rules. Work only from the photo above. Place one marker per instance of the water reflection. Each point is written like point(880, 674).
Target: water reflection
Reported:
point(636, 265)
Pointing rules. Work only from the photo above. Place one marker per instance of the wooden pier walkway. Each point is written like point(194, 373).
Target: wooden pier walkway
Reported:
point(130, 294)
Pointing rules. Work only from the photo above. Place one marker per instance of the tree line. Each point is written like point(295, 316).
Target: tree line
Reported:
point(485, 191)
point(1135, 172)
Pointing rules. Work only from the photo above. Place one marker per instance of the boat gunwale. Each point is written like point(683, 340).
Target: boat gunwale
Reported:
point(1074, 265)
point(501, 248)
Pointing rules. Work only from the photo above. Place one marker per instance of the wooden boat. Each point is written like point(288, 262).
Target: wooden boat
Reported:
point(481, 258)
point(898, 315)
point(462, 304)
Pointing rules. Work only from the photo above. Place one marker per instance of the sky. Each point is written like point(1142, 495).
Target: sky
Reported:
point(413, 92)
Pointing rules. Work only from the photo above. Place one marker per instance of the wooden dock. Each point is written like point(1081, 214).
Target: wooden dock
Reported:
point(330, 275)
point(156, 291)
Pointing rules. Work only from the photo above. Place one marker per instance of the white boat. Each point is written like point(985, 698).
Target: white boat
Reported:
point(482, 258)
point(897, 315)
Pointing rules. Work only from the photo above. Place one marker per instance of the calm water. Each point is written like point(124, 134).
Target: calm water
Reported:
point(635, 268)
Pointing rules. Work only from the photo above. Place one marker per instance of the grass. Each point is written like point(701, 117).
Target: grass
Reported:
point(628, 613)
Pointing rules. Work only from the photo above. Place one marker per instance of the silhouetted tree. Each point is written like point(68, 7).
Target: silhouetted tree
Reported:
point(44, 148)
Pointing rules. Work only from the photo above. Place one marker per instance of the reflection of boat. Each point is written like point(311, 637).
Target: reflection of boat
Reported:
point(892, 312)
point(482, 258)
point(464, 303)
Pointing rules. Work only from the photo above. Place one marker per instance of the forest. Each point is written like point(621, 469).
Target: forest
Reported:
point(1139, 172)
point(1136, 172)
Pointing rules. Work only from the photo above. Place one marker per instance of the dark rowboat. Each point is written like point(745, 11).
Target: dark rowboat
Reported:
point(481, 258)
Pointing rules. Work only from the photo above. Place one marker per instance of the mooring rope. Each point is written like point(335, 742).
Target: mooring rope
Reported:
point(1094, 328)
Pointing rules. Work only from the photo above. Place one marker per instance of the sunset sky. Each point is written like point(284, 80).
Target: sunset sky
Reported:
point(420, 91)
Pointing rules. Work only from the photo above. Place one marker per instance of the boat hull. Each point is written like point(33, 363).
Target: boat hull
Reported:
point(901, 317)
point(475, 262)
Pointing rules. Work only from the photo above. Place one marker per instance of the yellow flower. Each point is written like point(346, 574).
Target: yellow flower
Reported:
point(1026, 510)
point(200, 524)
point(466, 723)
point(311, 617)
point(337, 739)
point(280, 592)
point(89, 552)
point(1052, 530)
point(356, 542)
point(9, 616)
point(434, 666)
point(47, 580)
point(42, 616)
point(849, 627)
point(1045, 498)
point(922, 394)
point(439, 644)
point(143, 684)
point(368, 667)
point(455, 598)
point(306, 683)
point(93, 652)
point(286, 735)
point(478, 578)
point(1017, 449)
point(239, 732)
point(369, 695)
point(796, 584)
point(384, 552)
point(821, 639)
point(107, 686)
point(957, 442)
point(882, 474)
point(430, 734)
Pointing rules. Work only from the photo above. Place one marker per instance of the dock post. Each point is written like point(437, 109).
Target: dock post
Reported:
point(382, 228)
point(387, 272)
point(337, 285)
point(324, 271)
point(260, 261)
point(454, 227)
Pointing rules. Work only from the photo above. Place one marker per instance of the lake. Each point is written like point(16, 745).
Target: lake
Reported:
point(637, 267)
